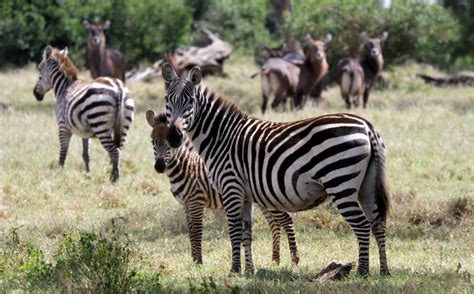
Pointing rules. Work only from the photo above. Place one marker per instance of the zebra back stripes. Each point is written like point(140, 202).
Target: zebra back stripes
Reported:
point(101, 108)
point(290, 166)
point(190, 185)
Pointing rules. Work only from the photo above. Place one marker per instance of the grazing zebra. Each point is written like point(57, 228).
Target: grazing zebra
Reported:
point(291, 166)
point(101, 108)
point(191, 187)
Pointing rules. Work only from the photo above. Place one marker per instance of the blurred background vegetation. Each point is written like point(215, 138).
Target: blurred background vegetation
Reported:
point(144, 30)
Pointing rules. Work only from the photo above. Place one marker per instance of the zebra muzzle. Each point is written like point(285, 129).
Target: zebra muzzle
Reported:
point(160, 166)
point(39, 96)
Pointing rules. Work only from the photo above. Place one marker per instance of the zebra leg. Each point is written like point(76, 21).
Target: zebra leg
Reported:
point(247, 237)
point(233, 207)
point(287, 222)
point(194, 219)
point(64, 139)
point(353, 214)
point(275, 228)
point(85, 153)
point(367, 199)
point(114, 154)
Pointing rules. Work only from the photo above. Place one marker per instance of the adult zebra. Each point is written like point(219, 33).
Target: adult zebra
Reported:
point(290, 166)
point(101, 108)
point(191, 187)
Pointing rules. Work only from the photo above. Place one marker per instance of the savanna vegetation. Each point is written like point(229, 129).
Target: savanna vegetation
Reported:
point(145, 30)
point(63, 230)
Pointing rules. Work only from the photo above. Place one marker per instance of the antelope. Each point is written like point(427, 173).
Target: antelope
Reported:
point(103, 61)
point(357, 76)
point(295, 78)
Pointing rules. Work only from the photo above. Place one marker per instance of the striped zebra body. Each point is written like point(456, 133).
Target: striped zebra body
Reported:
point(290, 166)
point(101, 108)
point(191, 187)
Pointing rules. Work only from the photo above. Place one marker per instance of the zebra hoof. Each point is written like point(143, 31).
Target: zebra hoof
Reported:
point(363, 272)
point(385, 272)
point(276, 259)
point(295, 260)
point(114, 177)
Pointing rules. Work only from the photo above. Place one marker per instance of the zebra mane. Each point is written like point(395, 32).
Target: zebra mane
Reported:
point(226, 103)
point(65, 64)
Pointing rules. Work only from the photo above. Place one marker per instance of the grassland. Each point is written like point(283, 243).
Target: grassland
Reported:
point(429, 133)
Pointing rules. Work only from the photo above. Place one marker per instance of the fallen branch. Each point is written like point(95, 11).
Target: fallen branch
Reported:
point(334, 271)
point(455, 80)
point(209, 58)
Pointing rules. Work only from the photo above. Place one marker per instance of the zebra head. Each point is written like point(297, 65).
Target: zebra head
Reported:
point(52, 61)
point(180, 102)
point(162, 150)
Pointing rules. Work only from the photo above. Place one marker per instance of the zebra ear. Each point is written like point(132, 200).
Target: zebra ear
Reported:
point(168, 73)
point(195, 75)
point(150, 117)
point(47, 52)
point(64, 51)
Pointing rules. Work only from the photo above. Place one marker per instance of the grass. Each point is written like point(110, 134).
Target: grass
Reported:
point(428, 132)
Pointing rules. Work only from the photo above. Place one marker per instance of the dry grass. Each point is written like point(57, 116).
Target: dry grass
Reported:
point(429, 133)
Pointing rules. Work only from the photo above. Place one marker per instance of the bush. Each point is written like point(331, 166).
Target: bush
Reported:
point(84, 261)
point(416, 30)
point(140, 29)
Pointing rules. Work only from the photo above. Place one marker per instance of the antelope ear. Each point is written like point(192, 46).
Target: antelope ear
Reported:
point(384, 36)
point(195, 75)
point(150, 117)
point(64, 51)
point(86, 24)
point(47, 52)
point(363, 37)
point(168, 73)
point(328, 38)
point(106, 25)
point(308, 39)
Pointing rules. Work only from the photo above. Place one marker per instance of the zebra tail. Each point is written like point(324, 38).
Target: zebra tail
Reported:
point(119, 118)
point(382, 196)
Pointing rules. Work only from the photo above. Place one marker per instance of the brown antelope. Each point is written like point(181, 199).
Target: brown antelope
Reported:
point(295, 78)
point(357, 76)
point(103, 61)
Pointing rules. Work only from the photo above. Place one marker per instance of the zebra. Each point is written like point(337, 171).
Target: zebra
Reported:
point(291, 166)
point(191, 187)
point(101, 108)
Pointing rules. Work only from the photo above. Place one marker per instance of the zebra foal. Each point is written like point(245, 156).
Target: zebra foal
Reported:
point(101, 108)
point(291, 166)
point(191, 187)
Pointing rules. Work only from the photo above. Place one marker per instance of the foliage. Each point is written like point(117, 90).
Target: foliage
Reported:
point(241, 23)
point(410, 23)
point(140, 29)
point(88, 260)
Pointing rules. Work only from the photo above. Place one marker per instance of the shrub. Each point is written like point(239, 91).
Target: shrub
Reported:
point(140, 29)
point(416, 30)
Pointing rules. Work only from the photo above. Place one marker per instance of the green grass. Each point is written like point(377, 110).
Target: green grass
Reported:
point(428, 131)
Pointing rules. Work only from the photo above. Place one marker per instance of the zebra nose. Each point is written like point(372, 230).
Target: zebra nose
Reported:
point(39, 96)
point(160, 165)
point(174, 136)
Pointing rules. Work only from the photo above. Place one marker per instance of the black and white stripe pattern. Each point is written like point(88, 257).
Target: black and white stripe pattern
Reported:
point(290, 166)
point(101, 108)
point(191, 187)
